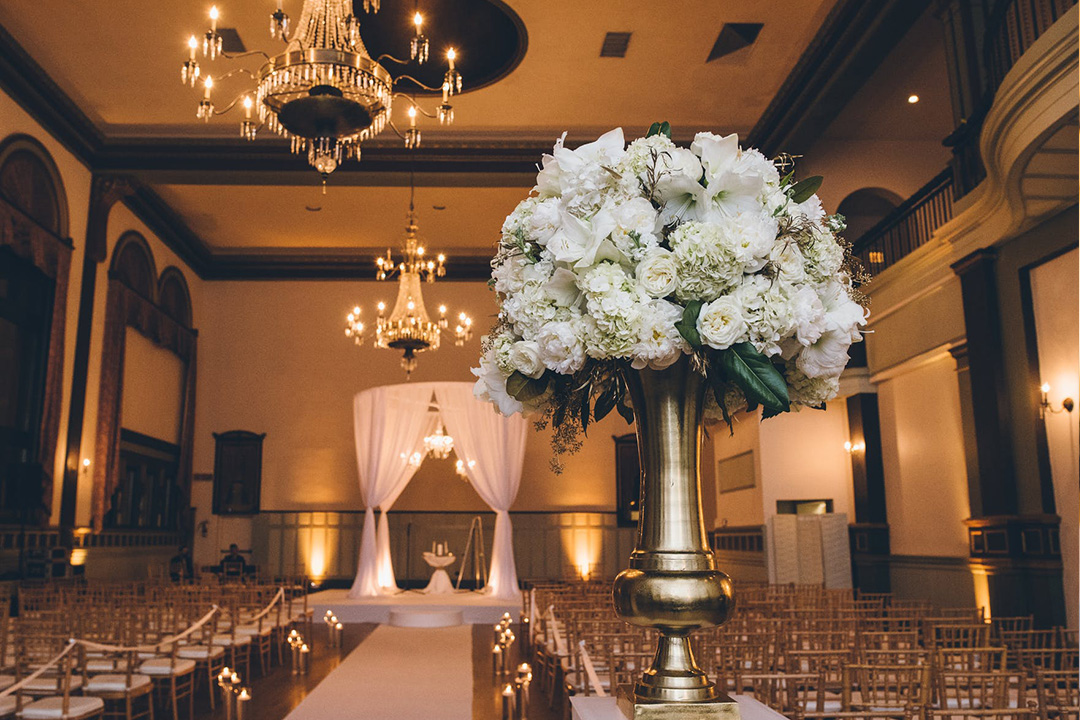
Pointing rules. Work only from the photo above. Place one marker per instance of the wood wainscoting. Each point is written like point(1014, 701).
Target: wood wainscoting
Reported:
point(326, 545)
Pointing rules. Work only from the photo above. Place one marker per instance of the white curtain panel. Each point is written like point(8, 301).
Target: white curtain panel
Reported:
point(389, 423)
point(497, 445)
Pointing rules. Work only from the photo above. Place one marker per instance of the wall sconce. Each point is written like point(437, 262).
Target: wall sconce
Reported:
point(86, 464)
point(853, 448)
point(1067, 404)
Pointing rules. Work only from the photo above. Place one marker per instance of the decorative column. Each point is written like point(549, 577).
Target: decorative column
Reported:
point(1015, 558)
point(869, 534)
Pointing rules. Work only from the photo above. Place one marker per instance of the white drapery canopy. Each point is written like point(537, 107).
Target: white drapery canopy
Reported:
point(390, 424)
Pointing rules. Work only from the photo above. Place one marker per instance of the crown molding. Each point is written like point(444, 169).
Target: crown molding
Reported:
point(851, 44)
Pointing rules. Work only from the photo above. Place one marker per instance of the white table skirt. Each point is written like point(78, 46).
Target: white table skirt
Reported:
point(439, 584)
point(598, 708)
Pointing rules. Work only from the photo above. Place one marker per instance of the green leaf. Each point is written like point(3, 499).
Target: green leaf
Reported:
point(717, 384)
point(786, 180)
point(758, 378)
point(653, 129)
point(559, 415)
point(585, 410)
point(523, 388)
point(625, 408)
point(665, 129)
point(687, 327)
point(801, 191)
point(606, 401)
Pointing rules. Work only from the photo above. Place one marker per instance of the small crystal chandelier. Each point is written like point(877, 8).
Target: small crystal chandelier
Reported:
point(409, 328)
point(324, 93)
point(462, 468)
point(439, 445)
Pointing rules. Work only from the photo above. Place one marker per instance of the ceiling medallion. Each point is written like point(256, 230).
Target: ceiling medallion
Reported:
point(324, 93)
point(409, 328)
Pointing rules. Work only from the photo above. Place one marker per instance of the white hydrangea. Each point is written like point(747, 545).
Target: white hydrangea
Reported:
point(613, 305)
point(811, 392)
point(706, 263)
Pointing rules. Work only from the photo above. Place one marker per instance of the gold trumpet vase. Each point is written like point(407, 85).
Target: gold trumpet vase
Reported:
point(672, 583)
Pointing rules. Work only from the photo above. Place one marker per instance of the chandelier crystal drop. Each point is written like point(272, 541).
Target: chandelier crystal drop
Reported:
point(324, 93)
point(409, 328)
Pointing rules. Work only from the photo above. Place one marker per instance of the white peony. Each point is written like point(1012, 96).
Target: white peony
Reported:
point(658, 273)
point(635, 228)
point(561, 347)
point(660, 343)
point(524, 356)
point(721, 324)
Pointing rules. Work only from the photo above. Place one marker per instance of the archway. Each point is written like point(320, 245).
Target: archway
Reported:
point(865, 208)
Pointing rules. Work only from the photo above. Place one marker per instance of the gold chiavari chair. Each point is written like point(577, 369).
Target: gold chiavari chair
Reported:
point(1058, 694)
point(783, 692)
point(974, 659)
point(1018, 623)
point(63, 705)
point(972, 690)
point(1032, 659)
point(932, 713)
point(951, 635)
point(123, 690)
point(885, 687)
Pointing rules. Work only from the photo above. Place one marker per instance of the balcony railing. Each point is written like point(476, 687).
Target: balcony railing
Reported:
point(908, 227)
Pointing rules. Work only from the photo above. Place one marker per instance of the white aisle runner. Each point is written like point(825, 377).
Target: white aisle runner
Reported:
point(398, 674)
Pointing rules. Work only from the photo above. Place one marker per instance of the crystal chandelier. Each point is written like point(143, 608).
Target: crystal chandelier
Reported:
point(409, 328)
point(324, 93)
point(439, 444)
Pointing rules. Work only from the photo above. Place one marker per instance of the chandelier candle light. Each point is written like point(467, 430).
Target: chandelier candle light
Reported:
point(324, 93)
point(409, 328)
point(670, 284)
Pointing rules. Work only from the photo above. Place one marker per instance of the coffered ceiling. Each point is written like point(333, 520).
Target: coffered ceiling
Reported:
point(106, 75)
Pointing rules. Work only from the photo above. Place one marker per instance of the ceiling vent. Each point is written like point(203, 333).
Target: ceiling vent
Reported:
point(615, 44)
point(230, 41)
point(732, 38)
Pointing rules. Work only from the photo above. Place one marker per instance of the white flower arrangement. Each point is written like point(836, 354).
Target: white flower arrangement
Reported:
point(631, 256)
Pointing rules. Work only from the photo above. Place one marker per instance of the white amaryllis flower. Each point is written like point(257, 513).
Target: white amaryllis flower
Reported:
point(660, 343)
point(658, 273)
point(828, 356)
point(841, 312)
point(721, 323)
point(561, 346)
point(581, 242)
point(581, 177)
point(491, 386)
point(524, 357)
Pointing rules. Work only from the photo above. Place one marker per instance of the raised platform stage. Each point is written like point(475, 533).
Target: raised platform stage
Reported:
point(475, 608)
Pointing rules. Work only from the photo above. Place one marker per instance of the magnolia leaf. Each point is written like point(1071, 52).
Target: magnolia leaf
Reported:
point(653, 129)
point(665, 129)
point(801, 191)
point(523, 388)
point(767, 413)
point(717, 384)
point(585, 411)
point(606, 401)
point(687, 327)
point(786, 180)
point(625, 408)
point(755, 374)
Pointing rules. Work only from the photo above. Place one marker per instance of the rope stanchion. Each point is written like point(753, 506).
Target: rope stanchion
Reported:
point(40, 671)
point(268, 608)
point(91, 645)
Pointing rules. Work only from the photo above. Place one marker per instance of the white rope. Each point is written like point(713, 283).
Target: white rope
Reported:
point(279, 596)
point(91, 645)
point(40, 671)
point(590, 670)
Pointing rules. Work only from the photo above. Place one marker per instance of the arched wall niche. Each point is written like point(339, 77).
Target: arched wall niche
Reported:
point(865, 208)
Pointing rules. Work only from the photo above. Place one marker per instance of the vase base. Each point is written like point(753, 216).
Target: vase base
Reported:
point(634, 708)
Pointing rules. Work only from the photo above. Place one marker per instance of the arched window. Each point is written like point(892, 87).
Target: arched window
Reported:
point(30, 181)
point(133, 265)
point(865, 208)
point(35, 257)
point(173, 296)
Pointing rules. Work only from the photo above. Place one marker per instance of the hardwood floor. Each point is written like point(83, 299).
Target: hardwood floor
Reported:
point(274, 696)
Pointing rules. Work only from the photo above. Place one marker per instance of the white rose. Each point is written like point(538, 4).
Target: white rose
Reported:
point(525, 358)
point(721, 323)
point(658, 273)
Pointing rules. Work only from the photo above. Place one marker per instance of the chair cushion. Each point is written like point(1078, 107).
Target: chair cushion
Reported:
point(226, 640)
point(52, 708)
point(47, 684)
point(100, 666)
point(200, 652)
point(116, 683)
point(165, 666)
point(7, 706)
